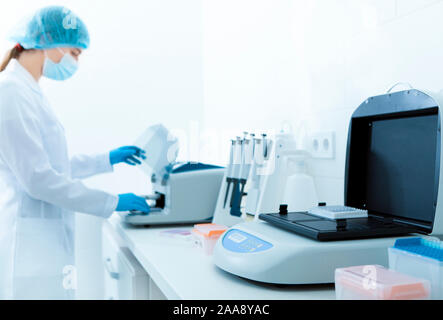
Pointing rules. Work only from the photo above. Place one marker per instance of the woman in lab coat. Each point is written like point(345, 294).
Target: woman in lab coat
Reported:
point(39, 185)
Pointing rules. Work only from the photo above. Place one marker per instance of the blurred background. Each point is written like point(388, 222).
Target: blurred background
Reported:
point(210, 70)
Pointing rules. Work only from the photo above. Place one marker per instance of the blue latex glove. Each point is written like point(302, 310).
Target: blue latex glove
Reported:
point(129, 155)
point(131, 202)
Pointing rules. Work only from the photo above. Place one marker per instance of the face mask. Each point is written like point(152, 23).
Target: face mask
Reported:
point(63, 70)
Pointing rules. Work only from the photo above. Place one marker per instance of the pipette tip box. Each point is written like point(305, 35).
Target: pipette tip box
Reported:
point(421, 258)
point(373, 282)
point(338, 212)
point(206, 235)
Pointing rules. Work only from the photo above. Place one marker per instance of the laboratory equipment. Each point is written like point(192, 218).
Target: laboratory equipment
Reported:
point(421, 258)
point(162, 148)
point(187, 194)
point(300, 193)
point(272, 167)
point(373, 282)
point(385, 131)
point(392, 172)
point(257, 174)
point(247, 153)
point(261, 252)
point(338, 212)
point(229, 172)
point(206, 236)
point(228, 210)
point(237, 167)
point(273, 171)
point(181, 192)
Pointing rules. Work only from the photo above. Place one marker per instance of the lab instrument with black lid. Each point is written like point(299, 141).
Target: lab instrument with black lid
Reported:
point(392, 172)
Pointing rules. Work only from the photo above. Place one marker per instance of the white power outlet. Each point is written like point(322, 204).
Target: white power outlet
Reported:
point(322, 145)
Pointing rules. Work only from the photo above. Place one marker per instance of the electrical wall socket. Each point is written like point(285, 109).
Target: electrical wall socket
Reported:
point(322, 145)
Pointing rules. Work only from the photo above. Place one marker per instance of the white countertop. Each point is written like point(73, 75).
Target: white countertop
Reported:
point(183, 271)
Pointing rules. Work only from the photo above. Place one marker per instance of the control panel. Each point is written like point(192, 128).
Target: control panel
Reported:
point(242, 242)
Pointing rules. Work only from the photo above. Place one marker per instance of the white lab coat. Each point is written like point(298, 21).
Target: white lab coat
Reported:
point(39, 193)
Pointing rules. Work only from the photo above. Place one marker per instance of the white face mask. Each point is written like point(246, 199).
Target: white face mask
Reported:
point(63, 70)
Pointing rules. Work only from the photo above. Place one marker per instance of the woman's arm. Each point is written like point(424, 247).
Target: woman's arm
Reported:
point(83, 166)
point(86, 166)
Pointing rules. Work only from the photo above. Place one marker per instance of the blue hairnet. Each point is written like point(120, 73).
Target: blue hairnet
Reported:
point(51, 27)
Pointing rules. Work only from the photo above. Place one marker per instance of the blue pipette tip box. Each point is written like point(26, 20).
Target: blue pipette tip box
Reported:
point(423, 247)
point(421, 258)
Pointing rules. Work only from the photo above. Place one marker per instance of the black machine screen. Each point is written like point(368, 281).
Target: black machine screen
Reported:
point(401, 169)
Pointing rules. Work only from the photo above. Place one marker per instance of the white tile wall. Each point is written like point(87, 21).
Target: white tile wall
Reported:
point(336, 120)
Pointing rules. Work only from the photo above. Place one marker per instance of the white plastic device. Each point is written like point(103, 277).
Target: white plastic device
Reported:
point(338, 212)
point(259, 251)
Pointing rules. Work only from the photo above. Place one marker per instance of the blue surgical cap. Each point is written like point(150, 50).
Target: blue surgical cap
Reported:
point(51, 27)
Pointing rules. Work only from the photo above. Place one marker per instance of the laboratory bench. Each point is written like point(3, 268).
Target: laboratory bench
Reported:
point(140, 263)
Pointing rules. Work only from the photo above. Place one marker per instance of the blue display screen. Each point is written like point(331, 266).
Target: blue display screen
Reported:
point(238, 241)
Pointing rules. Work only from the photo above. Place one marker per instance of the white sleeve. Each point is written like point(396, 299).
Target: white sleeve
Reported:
point(21, 148)
point(83, 166)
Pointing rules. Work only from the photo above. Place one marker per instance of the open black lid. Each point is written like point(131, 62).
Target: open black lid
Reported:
point(393, 158)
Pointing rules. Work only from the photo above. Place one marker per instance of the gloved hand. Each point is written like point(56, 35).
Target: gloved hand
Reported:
point(131, 202)
point(128, 155)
